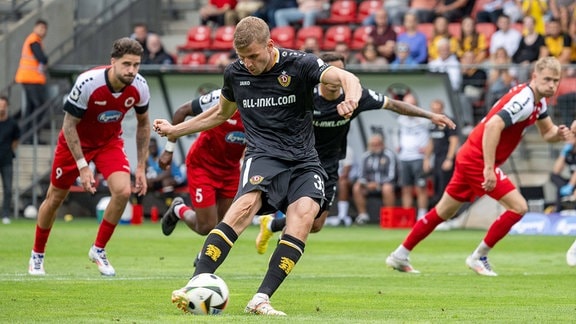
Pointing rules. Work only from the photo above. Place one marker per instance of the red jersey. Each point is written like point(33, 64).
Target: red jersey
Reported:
point(101, 111)
point(218, 150)
point(519, 111)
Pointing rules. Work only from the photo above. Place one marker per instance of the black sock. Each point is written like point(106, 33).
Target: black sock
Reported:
point(277, 224)
point(282, 261)
point(216, 247)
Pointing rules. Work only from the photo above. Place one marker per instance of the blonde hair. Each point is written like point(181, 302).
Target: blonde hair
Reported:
point(548, 62)
point(249, 30)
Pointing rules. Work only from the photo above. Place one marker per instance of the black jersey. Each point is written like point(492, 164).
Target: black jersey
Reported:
point(276, 106)
point(331, 129)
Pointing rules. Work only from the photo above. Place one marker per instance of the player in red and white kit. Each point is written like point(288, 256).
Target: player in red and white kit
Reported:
point(477, 169)
point(91, 131)
point(213, 169)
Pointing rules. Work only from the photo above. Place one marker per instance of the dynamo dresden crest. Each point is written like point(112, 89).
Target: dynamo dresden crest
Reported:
point(284, 79)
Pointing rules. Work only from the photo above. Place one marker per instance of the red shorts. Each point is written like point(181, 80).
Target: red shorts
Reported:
point(205, 188)
point(108, 159)
point(466, 183)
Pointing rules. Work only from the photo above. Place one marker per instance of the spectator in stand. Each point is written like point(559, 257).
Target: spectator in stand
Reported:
point(439, 32)
point(31, 72)
point(9, 136)
point(413, 136)
point(403, 60)
point(536, 9)
point(396, 10)
point(452, 10)
point(311, 45)
point(383, 36)
point(161, 179)
point(377, 175)
point(447, 62)
point(471, 40)
point(440, 153)
point(244, 8)
point(307, 11)
point(505, 37)
point(369, 58)
point(217, 12)
point(415, 39)
point(343, 49)
point(529, 49)
point(424, 9)
point(494, 9)
point(156, 52)
point(473, 86)
point(270, 7)
point(140, 33)
point(558, 43)
point(563, 10)
point(501, 77)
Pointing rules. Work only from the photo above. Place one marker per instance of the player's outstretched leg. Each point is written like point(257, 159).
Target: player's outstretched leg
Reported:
point(170, 219)
point(265, 234)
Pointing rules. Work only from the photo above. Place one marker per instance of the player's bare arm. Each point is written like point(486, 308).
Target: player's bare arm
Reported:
point(180, 115)
point(551, 132)
point(73, 140)
point(142, 142)
point(351, 86)
point(490, 140)
point(206, 120)
point(404, 108)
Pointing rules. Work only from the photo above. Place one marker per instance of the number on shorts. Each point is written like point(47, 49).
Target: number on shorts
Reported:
point(501, 175)
point(199, 197)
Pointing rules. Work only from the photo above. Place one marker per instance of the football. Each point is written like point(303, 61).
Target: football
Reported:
point(207, 294)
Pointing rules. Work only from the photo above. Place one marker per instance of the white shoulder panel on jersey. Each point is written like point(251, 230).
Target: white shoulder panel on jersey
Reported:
point(520, 106)
point(209, 100)
point(142, 86)
point(85, 85)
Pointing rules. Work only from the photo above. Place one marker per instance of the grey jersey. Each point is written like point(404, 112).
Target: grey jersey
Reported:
point(276, 106)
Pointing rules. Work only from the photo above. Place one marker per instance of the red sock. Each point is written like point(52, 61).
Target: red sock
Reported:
point(182, 210)
point(501, 227)
point(422, 228)
point(105, 232)
point(40, 239)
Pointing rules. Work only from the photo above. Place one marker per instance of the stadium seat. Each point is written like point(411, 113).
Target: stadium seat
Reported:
point(284, 36)
point(217, 57)
point(478, 6)
point(427, 29)
point(223, 38)
point(486, 29)
point(305, 32)
point(454, 29)
point(341, 12)
point(198, 38)
point(194, 59)
point(336, 34)
point(359, 37)
point(366, 8)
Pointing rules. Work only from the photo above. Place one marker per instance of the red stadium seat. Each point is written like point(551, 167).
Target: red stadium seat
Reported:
point(284, 36)
point(305, 32)
point(454, 29)
point(366, 8)
point(336, 34)
point(198, 38)
point(194, 59)
point(427, 29)
point(341, 12)
point(223, 38)
point(359, 37)
point(486, 29)
point(217, 57)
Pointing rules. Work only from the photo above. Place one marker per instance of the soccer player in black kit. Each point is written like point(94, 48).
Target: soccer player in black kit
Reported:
point(331, 131)
point(272, 88)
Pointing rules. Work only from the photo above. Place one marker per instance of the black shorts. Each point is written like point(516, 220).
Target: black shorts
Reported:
point(331, 167)
point(282, 182)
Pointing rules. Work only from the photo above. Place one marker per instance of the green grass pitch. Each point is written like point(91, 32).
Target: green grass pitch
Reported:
point(342, 278)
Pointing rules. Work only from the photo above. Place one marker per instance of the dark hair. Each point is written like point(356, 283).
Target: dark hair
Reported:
point(125, 46)
point(41, 22)
point(332, 57)
point(5, 98)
